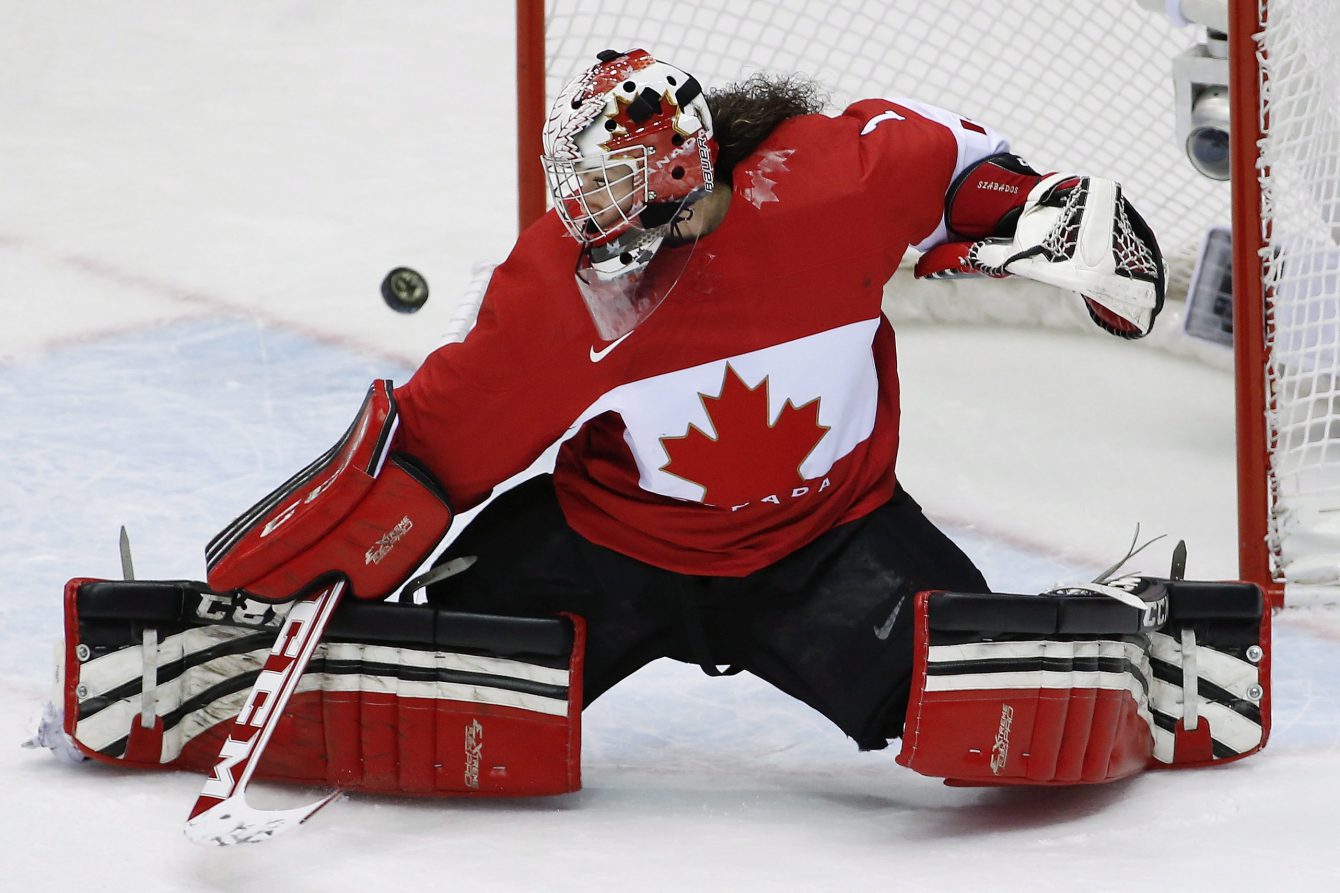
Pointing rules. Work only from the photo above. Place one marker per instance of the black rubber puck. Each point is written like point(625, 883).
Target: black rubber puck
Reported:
point(404, 290)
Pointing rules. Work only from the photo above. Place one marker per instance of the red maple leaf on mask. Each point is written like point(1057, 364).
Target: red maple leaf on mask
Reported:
point(749, 458)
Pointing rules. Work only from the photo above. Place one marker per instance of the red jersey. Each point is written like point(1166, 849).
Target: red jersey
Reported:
point(757, 407)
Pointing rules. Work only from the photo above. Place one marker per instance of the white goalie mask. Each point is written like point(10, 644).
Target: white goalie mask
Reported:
point(628, 148)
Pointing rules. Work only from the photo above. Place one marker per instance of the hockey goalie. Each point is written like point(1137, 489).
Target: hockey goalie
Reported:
point(698, 322)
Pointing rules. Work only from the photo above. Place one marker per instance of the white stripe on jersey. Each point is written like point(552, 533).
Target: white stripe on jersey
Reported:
point(835, 367)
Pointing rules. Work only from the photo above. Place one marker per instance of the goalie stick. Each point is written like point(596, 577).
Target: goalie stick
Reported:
point(221, 815)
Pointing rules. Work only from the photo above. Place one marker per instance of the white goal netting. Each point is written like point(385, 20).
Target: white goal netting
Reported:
point(1299, 172)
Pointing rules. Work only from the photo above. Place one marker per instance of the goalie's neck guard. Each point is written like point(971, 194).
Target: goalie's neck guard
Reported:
point(623, 281)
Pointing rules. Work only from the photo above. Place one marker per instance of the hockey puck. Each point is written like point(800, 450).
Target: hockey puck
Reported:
point(404, 290)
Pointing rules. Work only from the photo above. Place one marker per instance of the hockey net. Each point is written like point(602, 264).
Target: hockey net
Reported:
point(1085, 87)
point(1297, 266)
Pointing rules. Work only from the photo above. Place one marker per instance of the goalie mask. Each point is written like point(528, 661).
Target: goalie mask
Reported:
point(628, 149)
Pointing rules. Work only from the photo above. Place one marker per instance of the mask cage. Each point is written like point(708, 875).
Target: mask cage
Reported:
point(599, 196)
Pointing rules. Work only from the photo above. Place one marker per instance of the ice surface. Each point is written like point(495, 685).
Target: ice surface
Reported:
point(196, 206)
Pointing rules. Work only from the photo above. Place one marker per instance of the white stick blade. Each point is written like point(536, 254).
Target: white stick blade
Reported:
point(234, 821)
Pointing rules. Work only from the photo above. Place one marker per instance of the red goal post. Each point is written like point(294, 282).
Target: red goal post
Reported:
point(1086, 87)
point(1255, 557)
point(1285, 97)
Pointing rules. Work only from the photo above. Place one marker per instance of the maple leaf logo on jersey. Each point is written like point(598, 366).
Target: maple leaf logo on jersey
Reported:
point(749, 457)
point(763, 176)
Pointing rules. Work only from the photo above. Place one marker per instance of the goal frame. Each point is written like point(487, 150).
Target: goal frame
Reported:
point(1250, 349)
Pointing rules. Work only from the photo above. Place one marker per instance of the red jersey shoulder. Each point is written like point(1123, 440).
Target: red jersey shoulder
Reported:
point(867, 134)
point(875, 175)
point(533, 291)
point(907, 161)
point(531, 319)
point(543, 255)
point(903, 127)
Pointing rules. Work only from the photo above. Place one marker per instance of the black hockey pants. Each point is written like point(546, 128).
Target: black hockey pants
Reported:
point(830, 624)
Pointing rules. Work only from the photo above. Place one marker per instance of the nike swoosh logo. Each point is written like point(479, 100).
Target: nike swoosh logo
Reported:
point(598, 355)
point(882, 632)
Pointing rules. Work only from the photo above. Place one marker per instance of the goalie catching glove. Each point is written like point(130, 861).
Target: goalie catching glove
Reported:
point(1072, 232)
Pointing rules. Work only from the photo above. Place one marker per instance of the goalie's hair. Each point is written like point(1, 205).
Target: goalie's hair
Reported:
point(744, 113)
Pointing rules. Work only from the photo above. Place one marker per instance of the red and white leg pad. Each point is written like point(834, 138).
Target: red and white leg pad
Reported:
point(1086, 684)
point(397, 699)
